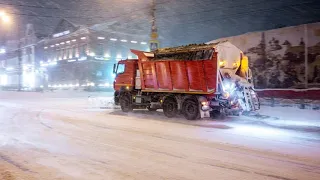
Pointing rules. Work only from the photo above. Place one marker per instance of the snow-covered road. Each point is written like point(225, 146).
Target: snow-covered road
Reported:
point(61, 136)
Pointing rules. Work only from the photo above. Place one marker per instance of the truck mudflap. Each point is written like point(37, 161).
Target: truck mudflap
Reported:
point(204, 114)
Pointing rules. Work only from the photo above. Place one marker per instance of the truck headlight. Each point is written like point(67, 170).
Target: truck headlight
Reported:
point(226, 95)
point(228, 86)
point(204, 103)
point(205, 106)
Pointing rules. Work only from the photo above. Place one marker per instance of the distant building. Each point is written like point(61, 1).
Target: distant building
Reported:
point(10, 68)
point(76, 55)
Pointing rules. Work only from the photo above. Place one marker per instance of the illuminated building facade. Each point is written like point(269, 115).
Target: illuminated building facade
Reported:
point(11, 68)
point(84, 56)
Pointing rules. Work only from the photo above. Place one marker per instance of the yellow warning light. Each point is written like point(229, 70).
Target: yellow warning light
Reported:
point(235, 65)
point(221, 63)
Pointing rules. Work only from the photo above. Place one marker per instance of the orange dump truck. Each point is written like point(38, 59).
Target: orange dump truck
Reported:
point(193, 80)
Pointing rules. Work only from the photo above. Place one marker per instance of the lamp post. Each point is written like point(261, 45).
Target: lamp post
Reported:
point(5, 19)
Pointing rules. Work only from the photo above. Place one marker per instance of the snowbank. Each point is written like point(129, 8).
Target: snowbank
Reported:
point(290, 116)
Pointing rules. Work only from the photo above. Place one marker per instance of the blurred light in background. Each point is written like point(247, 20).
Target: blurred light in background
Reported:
point(28, 79)
point(2, 51)
point(3, 80)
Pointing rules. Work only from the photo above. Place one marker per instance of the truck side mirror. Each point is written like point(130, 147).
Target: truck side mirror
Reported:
point(114, 68)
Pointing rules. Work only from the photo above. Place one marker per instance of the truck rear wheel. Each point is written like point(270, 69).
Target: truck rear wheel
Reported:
point(125, 103)
point(170, 107)
point(190, 109)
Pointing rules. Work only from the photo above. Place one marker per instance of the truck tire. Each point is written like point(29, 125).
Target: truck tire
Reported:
point(190, 109)
point(125, 103)
point(170, 107)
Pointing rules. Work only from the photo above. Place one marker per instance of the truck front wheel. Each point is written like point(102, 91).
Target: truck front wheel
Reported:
point(170, 107)
point(125, 103)
point(190, 109)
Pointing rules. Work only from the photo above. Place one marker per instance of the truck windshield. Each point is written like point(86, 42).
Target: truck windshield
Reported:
point(121, 68)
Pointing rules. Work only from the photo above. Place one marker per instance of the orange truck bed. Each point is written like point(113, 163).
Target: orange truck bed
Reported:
point(178, 76)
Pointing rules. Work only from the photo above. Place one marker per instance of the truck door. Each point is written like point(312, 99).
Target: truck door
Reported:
point(125, 75)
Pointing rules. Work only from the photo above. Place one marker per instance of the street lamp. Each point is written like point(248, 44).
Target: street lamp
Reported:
point(4, 17)
point(2, 50)
point(2, 13)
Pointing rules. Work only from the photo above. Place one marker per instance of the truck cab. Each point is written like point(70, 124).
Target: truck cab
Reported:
point(125, 71)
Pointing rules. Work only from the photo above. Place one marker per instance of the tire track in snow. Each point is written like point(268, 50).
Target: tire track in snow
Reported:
point(250, 172)
point(10, 161)
point(185, 139)
point(6, 158)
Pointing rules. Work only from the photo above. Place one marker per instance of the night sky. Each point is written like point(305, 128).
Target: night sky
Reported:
point(179, 21)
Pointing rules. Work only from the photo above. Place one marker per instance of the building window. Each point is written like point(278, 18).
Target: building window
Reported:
point(46, 55)
point(83, 50)
point(53, 54)
point(74, 51)
point(49, 55)
point(100, 49)
point(85, 47)
point(64, 55)
point(70, 53)
point(56, 54)
point(60, 52)
point(121, 69)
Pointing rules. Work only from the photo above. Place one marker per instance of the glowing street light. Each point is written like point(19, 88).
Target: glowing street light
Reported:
point(2, 14)
point(4, 17)
point(2, 51)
